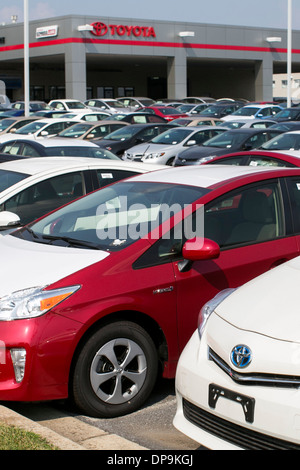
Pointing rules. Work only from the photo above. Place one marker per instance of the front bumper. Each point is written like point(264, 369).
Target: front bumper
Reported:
point(49, 342)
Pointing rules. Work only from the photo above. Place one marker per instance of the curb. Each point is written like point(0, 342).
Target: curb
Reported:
point(69, 433)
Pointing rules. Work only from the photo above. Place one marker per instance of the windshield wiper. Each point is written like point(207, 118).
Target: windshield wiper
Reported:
point(71, 241)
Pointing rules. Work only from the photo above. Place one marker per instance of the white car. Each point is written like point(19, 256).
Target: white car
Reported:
point(29, 188)
point(164, 148)
point(133, 102)
point(254, 111)
point(238, 380)
point(110, 106)
point(38, 129)
point(90, 116)
point(68, 105)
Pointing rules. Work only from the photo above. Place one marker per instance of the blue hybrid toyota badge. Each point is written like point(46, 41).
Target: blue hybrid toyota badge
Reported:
point(241, 356)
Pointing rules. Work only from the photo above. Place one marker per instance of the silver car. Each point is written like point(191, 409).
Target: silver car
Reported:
point(163, 148)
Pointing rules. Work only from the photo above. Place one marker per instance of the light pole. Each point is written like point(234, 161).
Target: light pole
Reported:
point(289, 53)
point(26, 59)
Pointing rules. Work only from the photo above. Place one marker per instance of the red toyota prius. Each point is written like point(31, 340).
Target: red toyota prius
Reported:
point(100, 296)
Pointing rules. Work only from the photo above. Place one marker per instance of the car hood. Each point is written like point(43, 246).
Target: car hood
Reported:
point(267, 305)
point(27, 264)
point(200, 152)
point(146, 149)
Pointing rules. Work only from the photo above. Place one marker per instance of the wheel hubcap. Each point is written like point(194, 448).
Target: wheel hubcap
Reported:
point(118, 371)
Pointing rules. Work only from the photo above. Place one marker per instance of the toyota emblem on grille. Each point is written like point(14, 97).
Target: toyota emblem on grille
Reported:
point(241, 356)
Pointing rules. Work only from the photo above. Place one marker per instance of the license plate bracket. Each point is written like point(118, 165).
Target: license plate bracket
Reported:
point(247, 403)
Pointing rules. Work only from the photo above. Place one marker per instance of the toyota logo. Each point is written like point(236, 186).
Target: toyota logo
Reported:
point(241, 356)
point(100, 29)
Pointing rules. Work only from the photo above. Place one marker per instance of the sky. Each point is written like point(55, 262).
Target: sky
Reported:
point(256, 13)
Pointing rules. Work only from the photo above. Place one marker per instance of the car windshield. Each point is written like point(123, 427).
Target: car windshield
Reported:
point(114, 217)
point(168, 111)
point(287, 114)
point(9, 178)
point(287, 141)
point(77, 151)
point(226, 139)
point(75, 105)
point(123, 133)
point(31, 128)
point(76, 130)
point(146, 102)
point(5, 123)
point(246, 111)
point(172, 137)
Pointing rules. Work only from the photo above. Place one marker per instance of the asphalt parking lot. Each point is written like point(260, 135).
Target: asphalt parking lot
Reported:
point(150, 427)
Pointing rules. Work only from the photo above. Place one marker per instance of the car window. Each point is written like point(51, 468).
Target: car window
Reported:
point(29, 151)
point(55, 128)
point(12, 149)
point(228, 161)
point(45, 196)
point(294, 190)
point(268, 161)
point(251, 215)
point(9, 178)
point(110, 176)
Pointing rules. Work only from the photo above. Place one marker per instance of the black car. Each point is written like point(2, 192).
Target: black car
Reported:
point(288, 114)
point(129, 136)
point(55, 147)
point(227, 142)
point(220, 110)
point(138, 118)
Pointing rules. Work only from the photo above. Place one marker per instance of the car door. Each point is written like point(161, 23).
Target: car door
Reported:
point(254, 235)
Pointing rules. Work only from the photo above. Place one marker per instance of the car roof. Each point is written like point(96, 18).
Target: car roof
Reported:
point(207, 176)
point(53, 142)
point(34, 166)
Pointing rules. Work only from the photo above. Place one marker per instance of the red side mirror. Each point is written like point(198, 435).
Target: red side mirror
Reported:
point(200, 249)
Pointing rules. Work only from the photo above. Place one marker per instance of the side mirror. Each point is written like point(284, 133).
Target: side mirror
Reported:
point(9, 220)
point(198, 249)
point(191, 142)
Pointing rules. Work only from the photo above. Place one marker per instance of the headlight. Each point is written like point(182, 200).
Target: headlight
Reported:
point(153, 155)
point(209, 308)
point(33, 302)
point(206, 159)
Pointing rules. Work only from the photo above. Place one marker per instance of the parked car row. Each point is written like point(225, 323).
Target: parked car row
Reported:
point(133, 268)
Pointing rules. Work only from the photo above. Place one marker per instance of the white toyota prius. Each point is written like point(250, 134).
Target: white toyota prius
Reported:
point(238, 379)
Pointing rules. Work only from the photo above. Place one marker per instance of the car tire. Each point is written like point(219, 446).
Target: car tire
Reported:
point(170, 161)
point(115, 371)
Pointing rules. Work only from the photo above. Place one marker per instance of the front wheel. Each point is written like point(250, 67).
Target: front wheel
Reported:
point(115, 371)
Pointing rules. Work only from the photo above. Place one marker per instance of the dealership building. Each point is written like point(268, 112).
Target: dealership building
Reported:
point(87, 57)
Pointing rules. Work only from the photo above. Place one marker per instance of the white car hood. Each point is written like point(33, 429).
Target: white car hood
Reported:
point(268, 305)
point(28, 264)
point(146, 149)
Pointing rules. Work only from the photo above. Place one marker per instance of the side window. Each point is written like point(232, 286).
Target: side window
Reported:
point(268, 161)
point(12, 149)
point(256, 140)
point(252, 215)
point(228, 161)
point(294, 190)
point(249, 216)
point(29, 151)
point(106, 177)
point(45, 196)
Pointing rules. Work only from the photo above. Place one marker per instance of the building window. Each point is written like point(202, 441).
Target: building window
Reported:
point(105, 92)
point(125, 91)
point(57, 92)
